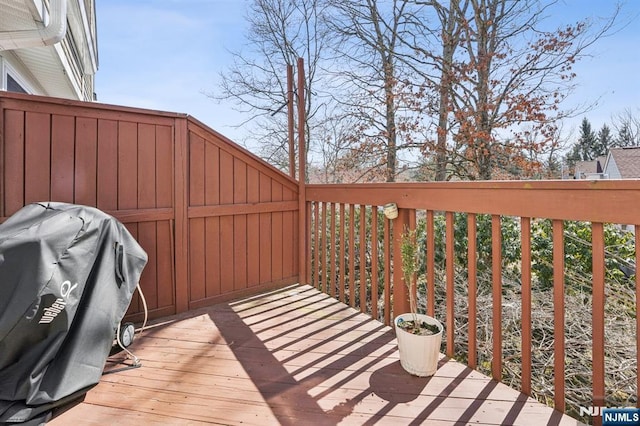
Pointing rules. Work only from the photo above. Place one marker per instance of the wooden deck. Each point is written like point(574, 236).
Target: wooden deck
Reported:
point(291, 357)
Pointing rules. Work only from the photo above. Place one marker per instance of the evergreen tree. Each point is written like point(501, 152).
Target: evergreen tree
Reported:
point(625, 136)
point(573, 156)
point(605, 140)
point(588, 142)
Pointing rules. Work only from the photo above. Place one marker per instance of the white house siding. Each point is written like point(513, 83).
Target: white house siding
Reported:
point(65, 69)
point(611, 169)
point(11, 66)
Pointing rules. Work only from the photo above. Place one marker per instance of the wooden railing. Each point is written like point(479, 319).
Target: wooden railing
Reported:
point(352, 249)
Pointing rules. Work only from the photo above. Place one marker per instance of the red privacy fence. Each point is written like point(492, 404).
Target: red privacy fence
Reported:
point(216, 221)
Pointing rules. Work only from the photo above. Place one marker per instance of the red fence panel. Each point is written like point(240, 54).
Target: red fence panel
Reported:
point(216, 221)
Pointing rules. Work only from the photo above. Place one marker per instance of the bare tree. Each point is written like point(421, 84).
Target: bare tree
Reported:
point(369, 82)
point(433, 39)
point(280, 31)
point(627, 126)
point(477, 84)
point(512, 79)
point(330, 152)
point(501, 77)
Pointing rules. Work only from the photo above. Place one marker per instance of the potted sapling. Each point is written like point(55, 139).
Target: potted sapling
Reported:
point(419, 336)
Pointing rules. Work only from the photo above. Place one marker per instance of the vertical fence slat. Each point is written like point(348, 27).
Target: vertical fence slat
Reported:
point(450, 263)
point(307, 243)
point(85, 193)
point(431, 268)
point(363, 260)
point(107, 198)
point(164, 160)
point(471, 261)
point(342, 252)
point(597, 241)
point(37, 157)
point(197, 260)
point(86, 151)
point(253, 225)
point(277, 230)
point(387, 272)
point(13, 166)
point(401, 224)
point(374, 262)
point(496, 278)
point(213, 281)
point(63, 158)
point(128, 164)
point(412, 226)
point(166, 285)
point(323, 249)
point(558, 314)
point(316, 240)
point(525, 226)
point(181, 197)
point(332, 263)
point(352, 255)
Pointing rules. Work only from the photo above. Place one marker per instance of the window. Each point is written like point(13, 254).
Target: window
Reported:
point(11, 80)
point(14, 86)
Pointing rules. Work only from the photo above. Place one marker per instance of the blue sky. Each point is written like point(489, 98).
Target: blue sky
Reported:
point(163, 54)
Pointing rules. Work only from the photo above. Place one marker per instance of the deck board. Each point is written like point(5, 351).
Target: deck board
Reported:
point(291, 357)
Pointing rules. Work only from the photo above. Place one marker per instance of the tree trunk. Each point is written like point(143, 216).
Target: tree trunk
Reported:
point(450, 40)
point(390, 115)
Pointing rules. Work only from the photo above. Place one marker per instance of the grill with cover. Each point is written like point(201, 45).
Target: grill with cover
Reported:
point(67, 276)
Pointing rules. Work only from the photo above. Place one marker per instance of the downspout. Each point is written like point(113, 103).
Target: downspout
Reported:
point(42, 36)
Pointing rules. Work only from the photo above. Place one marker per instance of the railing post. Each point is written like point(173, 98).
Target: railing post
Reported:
point(406, 220)
point(181, 227)
point(303, 223)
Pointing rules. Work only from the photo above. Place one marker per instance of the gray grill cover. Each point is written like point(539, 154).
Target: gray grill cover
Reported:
point(67, 276)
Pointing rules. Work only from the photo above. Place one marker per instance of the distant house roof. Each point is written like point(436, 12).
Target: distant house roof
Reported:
point(623, 163)
point(586, 169)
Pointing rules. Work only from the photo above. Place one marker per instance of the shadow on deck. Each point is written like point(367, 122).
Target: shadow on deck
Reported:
point(291, 357)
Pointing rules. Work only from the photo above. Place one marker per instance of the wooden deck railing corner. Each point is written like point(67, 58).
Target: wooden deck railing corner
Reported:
point(483, 293)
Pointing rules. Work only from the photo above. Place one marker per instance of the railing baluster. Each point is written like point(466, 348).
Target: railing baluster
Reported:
point(352, 255)
point(525, 239)
point(496, 278)
point(316, 250)
point(431, 262)
point(450, 263)
point(332, 263)
point(374, 262)
point(387, 272)
point(558, 314)
point(597, 256)
point(401, 224)
point(414, 285)
point(363, 262)
point(472, 272)
point(342, 252)
point(308, 243)
point(323, 248)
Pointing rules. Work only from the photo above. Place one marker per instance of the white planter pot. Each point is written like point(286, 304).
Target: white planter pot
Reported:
point(418, 354)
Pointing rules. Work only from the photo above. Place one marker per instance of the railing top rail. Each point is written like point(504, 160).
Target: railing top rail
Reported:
point(46, 103)
point(611, 201)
